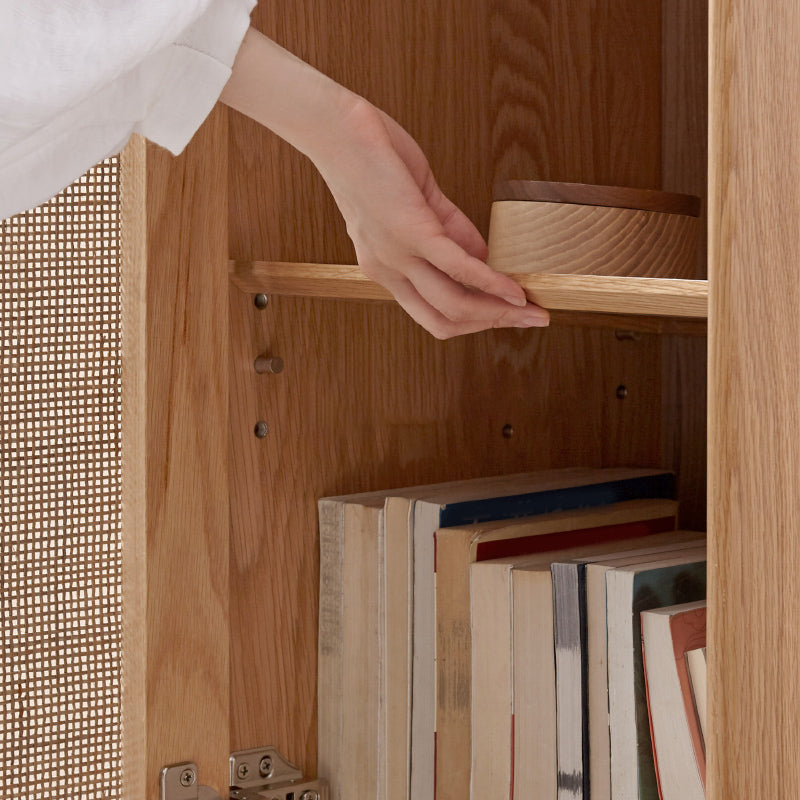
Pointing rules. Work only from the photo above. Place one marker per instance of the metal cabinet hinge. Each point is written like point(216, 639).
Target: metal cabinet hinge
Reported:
point(259, 774)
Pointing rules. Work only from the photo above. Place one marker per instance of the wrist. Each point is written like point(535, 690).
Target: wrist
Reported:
point(291, 98)
point(350, 129)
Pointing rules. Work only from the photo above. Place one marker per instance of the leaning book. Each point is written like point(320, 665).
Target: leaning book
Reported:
point(630, 591)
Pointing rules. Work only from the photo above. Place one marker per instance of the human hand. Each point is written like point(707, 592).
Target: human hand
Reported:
point(409, 237)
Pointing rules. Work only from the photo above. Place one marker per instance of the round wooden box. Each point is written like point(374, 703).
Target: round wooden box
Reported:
point(579, 229)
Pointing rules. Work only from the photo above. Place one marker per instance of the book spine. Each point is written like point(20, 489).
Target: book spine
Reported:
point(569, 664)
point(660, 485)
point(423, 521)
point(492, 671)
point(397, 619)
point(331, 612)
point(621, 694)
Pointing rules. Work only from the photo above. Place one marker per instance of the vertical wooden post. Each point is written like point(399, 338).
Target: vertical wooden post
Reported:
point(133, 306)
point(684, 168)
point(754, 382)
point(187, 510)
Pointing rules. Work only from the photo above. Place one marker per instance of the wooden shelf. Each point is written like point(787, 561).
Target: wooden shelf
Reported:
point(602, 294)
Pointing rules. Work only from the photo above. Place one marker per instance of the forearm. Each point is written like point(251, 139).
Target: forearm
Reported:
point(286, 95)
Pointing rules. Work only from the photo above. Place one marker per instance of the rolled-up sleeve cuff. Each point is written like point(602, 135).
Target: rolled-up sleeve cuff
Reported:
point(199, 67)
point(166, 98)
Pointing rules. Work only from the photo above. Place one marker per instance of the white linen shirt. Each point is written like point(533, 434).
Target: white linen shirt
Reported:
point(78, 77)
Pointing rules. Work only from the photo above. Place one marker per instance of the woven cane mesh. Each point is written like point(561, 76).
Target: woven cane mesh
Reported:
point(60, 548)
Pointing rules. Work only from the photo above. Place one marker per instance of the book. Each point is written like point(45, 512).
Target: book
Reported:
point(630, 591)
point(531, 755)
point(667, 634)
point(349, 654)
point(696, 665)
point(573, 659)
point(398, 645)
point(513, 674)
point(468, 502)
point(457, 548)
point(597, 680)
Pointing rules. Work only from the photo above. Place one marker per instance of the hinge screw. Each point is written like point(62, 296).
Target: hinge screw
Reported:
point(188, 777)
point(243, 771)
point(309, 794)
point(265, 767)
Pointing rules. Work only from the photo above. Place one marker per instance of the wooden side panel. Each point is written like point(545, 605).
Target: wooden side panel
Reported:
point(684, 167)
point(684, 143)
point(186, 450)
point(684, 423)
point(754, 425)
point(492, 89)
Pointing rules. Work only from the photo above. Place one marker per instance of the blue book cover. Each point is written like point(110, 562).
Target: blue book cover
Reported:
point(569, 498)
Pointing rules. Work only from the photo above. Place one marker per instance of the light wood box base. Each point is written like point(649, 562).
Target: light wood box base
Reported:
point(573, 229)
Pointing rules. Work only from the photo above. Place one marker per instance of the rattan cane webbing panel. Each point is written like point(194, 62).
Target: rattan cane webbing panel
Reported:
point(60, 543)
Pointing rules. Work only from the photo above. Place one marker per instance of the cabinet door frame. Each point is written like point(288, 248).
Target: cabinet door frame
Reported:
point(176, 696)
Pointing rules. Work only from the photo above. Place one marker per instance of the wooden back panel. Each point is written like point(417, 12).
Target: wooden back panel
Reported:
point(551, 90)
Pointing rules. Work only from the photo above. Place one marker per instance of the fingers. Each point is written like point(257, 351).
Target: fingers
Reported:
point(428, 317)
point(460, 236)
point(457, 226)
point(444, 254)
point(446, 308)
point(460, 302)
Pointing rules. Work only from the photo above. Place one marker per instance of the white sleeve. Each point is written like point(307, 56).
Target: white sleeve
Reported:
point(78, 77)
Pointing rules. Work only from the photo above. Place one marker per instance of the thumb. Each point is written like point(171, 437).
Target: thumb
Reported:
point(457, 226)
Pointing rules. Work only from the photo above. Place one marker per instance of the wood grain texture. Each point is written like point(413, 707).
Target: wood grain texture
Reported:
point(133, 288)
point(613, 295)
point(338, 281)
point(574, 91)
point(341, 421)
point(386, 51)
point(565, 238)
point(605, 294)
point(684, 422)
point(684, 169)
point(347, 282)
point(492, 89)
point(754, 427)
point(587, 194)
point(188, 703)
point(684, 110)
point(523, 89)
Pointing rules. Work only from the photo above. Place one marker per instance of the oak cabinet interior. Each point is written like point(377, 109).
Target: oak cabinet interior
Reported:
point(609, 93)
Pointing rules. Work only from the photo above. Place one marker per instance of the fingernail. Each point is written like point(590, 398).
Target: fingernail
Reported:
point(535, 321)
point(516, 300)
